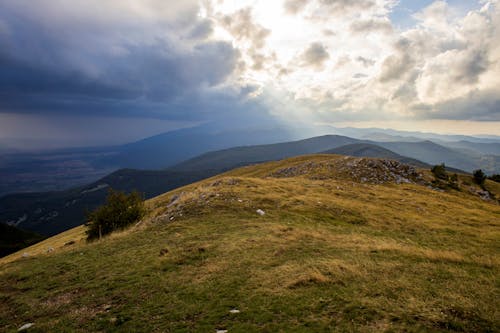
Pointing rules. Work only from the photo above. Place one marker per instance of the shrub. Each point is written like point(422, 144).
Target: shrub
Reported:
point(495, 178)
point(439, 171)
point(453, 182)
point(479, 176)
point(119, 211)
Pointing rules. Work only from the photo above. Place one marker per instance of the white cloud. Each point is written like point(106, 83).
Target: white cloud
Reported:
point(365, 68)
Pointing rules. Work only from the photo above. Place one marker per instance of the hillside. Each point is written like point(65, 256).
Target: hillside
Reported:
point(48, 213)
point(345, 244)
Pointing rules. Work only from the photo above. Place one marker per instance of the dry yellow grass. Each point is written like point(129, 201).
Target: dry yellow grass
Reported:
point(330, 254)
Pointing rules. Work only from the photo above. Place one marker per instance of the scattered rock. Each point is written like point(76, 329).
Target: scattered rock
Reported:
point(220, 331)
point(173, 200)
point(25, 327)
point(362, 170)
point(485, 195)
point(216, 183)
point(260, 212)
point(26, 255)
point(50, 249)
point(234, 311)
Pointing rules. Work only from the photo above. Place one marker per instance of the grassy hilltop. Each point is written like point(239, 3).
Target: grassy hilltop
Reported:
point(345, 244)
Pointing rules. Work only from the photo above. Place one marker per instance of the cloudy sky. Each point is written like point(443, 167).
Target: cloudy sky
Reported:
point(88, 72)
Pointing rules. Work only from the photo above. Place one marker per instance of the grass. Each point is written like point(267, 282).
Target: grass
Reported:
point(330, 254)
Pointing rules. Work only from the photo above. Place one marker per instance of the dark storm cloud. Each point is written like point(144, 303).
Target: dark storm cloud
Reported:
point(52, 65)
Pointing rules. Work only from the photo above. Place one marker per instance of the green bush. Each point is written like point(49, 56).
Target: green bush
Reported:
point(479, 176)
point(495, 178)
point(439, 171)
point(119, 211)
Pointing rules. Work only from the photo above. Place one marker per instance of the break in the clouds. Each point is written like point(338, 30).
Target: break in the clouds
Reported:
point(291, 60)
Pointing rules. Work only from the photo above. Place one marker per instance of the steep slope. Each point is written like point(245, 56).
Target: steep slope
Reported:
point(341, 246)
point(371, 150)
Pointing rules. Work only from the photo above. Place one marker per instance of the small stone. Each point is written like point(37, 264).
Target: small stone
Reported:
point(26, 254)
point(234, 311)
point(173, 200)
point(220, 331)
point(239, 200)
point(25, 327)
point(260, 212)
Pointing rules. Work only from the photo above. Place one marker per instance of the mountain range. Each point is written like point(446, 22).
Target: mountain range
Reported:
point(64, 168)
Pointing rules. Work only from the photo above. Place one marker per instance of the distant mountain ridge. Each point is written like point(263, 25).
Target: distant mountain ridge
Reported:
point(65, 168)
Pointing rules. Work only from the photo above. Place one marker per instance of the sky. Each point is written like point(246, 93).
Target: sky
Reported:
point(101, 72)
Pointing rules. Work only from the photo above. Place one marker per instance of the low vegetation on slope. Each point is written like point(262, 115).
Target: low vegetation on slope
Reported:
point(316, 243)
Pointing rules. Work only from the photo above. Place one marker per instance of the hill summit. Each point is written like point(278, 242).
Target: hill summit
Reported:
point(311, 243)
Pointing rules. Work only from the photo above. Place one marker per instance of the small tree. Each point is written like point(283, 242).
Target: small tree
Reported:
point(119, 211)
point(479, 176)
point(495, 178)
point(439, 171)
